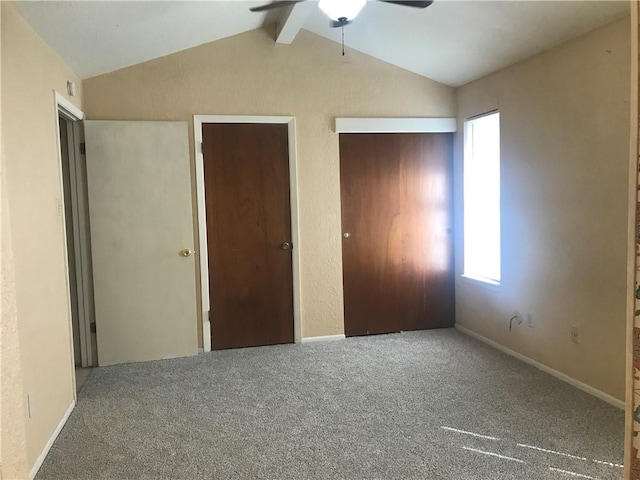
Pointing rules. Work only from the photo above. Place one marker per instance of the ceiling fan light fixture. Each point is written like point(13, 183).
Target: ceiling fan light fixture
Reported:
point(341, 9)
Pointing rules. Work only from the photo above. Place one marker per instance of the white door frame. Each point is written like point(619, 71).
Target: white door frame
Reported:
point(198, 121)
point(64, 108)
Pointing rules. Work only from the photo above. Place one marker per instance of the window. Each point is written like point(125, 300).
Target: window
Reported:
point(482, 198)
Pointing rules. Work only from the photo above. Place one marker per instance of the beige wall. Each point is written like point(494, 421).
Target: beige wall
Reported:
point(250, 75)
point(13, 439)
point(13, 450)
point(565, 156)
point(31, 71)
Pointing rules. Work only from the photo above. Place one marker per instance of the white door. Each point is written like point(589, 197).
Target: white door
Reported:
point(141, 220)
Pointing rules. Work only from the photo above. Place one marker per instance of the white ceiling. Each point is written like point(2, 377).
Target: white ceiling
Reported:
point(452, 42)
point(455, 42)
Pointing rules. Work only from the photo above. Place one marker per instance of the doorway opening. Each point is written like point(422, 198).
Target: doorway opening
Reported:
point(74, 209)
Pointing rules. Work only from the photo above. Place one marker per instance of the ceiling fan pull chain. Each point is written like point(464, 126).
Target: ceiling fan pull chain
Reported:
point(343, 40)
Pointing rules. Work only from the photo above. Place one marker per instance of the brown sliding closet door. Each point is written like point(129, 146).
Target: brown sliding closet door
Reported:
point(396, 223)
point(246, 169)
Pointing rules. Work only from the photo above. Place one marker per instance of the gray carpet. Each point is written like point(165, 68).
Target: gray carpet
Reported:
point(361, 408)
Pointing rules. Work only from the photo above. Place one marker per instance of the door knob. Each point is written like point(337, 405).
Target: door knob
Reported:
point(186, 252)
point(346, 235)
point(286, 246)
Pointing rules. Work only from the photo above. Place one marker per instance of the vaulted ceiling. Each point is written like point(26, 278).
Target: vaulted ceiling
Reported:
point(452, 42)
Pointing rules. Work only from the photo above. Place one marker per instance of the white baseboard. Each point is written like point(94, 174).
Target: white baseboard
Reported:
point(324, 338)
point(47, 447)
point(566, 378)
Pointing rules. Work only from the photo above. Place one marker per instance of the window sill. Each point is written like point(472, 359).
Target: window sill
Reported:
point(481, 282)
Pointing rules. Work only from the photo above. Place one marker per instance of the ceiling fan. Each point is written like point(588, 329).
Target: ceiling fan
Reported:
point(342, 12)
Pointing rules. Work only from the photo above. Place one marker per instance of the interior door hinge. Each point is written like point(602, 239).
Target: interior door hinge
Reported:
point(202, 147)
point(83, 148)
point(92, 327)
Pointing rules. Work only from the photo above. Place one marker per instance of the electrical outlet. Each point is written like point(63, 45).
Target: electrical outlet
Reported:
point(575, 334)
point(529, 320)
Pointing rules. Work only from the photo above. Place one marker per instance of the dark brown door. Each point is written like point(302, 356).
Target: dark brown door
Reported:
point(396, 213)
point(246, 171)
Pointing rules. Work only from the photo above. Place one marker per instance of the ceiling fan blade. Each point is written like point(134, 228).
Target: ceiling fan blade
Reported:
point(417, 4)
point(271, 6)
